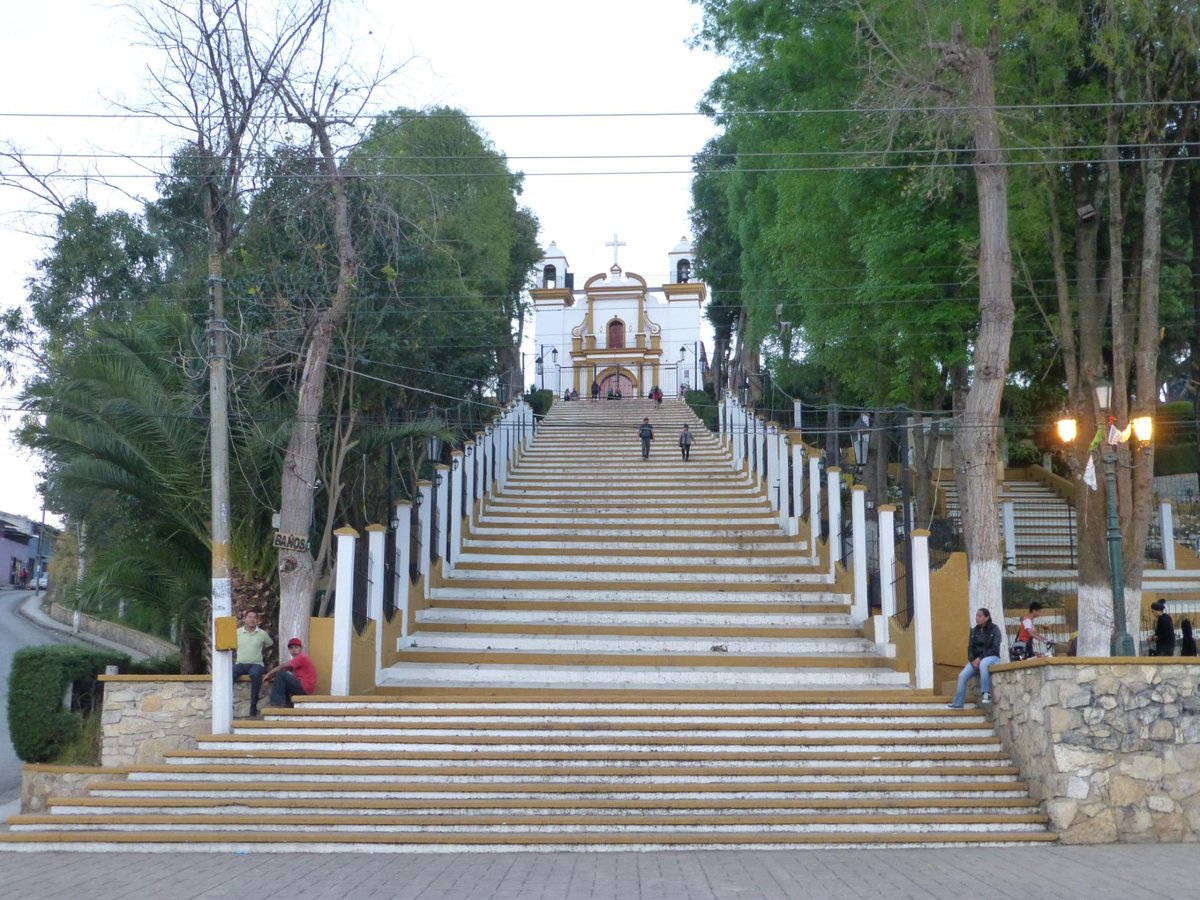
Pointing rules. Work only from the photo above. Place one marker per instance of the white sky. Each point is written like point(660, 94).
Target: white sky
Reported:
point(517, 66)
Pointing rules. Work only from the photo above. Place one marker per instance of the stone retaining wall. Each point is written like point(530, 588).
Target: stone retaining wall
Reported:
point(1111, 747)
point(146, 715)
point(146, 644)
point(41, 782)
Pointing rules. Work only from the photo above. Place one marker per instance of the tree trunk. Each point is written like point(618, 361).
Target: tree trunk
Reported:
point(978, 429)
point(296, 568)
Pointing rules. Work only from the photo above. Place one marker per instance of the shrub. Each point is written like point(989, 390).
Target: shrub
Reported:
point(705, 407)
point(1176, 459)
point(540, 402)
point(39, 722)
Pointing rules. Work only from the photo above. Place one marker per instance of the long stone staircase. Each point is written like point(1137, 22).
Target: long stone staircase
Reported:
point(626, 654)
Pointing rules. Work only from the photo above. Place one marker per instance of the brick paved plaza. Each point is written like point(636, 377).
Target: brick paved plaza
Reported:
point(1130, 872)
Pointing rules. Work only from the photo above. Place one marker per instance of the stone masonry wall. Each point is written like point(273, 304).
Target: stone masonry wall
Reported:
point(41, 782)
point(1110, 747)
point(144, 716)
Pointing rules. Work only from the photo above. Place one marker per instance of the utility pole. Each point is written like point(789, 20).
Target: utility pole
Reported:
point(218, 408)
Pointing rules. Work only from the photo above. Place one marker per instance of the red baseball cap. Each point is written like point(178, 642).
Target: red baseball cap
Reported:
point(295, 642)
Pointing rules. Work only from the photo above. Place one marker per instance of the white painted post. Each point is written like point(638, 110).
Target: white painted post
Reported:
point(740, 426)
point(1166, 527)
point(425, 524)
point(833, 500)
point(469, 481)
point(485, 463)
point(504, 455)
point(442, 479)
point(887, 560)
point(376, 540)
point(922, 618)
point(785, 493)
point(797, 483)
point(858, 520)
point(403, 529)
point(722, 413)
point(343, 612)
point(814, 505)
point(457, 483)
point(1009, 521)
point(771, 469)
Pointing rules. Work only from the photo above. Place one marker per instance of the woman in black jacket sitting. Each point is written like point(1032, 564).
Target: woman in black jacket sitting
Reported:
point(983, 652)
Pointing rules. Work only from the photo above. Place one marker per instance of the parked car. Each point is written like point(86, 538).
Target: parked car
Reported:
point(42, 582)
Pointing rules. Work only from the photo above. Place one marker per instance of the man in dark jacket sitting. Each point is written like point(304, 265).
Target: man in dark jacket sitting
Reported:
point(983, 652)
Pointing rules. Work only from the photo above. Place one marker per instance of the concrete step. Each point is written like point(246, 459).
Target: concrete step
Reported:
point(626, 644)
point(697, 596)
point(632, 676)
point(816, 623)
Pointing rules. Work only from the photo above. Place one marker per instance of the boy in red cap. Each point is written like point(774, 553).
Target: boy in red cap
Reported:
point(296, 677)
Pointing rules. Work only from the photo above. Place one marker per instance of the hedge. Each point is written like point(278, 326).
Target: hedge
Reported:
point(1176, 459)
point(38, 723)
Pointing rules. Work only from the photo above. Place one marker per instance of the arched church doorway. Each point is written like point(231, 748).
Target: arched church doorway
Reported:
point(614, 382)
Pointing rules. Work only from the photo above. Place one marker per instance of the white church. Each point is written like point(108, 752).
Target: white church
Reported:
point(618, 332)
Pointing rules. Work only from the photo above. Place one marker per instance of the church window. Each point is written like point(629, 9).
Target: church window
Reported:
point(616, 335)
point(549, 277)
point(683, 271)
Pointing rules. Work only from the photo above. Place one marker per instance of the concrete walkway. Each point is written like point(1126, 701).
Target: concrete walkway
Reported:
point(1128, 872)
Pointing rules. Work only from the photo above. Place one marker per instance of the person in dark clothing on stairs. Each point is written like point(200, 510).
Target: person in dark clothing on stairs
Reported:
point(685, 443)
point(983, 652)
point(646, 433)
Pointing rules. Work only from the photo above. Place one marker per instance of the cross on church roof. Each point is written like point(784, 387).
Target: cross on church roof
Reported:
point(615, 244)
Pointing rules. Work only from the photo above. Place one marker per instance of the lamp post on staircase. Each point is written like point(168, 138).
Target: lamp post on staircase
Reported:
point(1141, 428)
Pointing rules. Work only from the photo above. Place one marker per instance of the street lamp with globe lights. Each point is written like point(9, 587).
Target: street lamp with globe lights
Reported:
point(1141, 430)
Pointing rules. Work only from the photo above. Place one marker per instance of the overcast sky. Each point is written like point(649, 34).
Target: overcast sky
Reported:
point(526, 69)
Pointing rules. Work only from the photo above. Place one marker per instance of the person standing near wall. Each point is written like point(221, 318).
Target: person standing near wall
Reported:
point(1164, 629)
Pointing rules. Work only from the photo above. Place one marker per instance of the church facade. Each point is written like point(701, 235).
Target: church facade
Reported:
point(617, 331)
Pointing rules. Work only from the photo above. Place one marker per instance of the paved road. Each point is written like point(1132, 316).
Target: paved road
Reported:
point(15, 632)
point(1127, 872)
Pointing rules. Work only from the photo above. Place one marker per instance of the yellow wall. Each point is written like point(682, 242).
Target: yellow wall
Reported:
point(320, 650)
point(950, 610)
point(362, 660)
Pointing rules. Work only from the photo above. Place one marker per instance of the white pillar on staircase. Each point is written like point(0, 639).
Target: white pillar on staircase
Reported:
point(782, 457)
point(489, 454)
point(424, 530)
point(457, 481)
point(1166, 527)
point(797, 448)
point(377, 568)
point(504, 455)
point(343, 612)
point(814, 504)
point(722, 419)
point(469, 481)
point(922, 620)
point(887, 560)
point(402, 525)
point(737, 435)
point(1008, 520)
point(771, 469)
point(833, 500)
point(441, 478)
point(858, 520)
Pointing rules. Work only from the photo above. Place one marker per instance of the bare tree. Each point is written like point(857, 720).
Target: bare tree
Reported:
point(327, 99)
